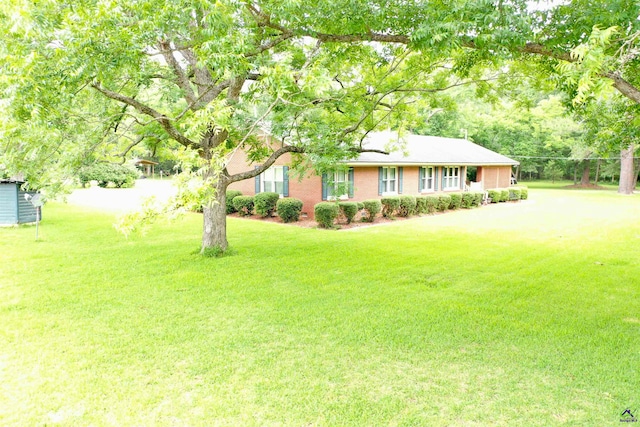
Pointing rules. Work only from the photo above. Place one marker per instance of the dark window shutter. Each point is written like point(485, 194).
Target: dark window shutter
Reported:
point(421, 172)
point(380, 181)
point(257, 182)
point(285, 179)
point(351, 182)
point(400, 180)
point(442, 179)
point(324, 186)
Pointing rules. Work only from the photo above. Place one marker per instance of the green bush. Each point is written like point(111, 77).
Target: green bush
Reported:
point(444, 200)
point(514, 194)
point(478, 197)
point(524, 193)
point(326, 214)
point(349, 210)
point(389, 206)
point(421, 205)
point(468, 200)
point(495, 195)
point(243, 204)
point(504, 195)
point(371, 208)
point(120, 176)
point(456, 201)
point(407, 206)
point(360, 205)
point(289, 209)
point(432, 204)
point(232, 194)
point(265, 203)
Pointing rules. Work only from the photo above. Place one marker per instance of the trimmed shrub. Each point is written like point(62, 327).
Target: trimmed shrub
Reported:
point(120, 176)
point(389, 206)
point(243, 204)
point(371, 209)
point(524, 193)
point(232, 194)
point(444, 200)
point(468, 200)
point(504, 195)
point(407, 206)
point(421, 204)
point(432, 204)
point(265, 203)
point(360, 205)
point(456, 201)
point(495, 195)
point(349, 210)
point(326, 214)
point(514, 194)
point(478, 197)
point(289, 209)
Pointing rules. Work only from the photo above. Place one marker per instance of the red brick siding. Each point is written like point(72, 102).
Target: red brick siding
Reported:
point(494, 176)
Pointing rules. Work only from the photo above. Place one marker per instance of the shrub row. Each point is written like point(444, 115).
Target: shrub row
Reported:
point(402, 206)
point(508, 194)
point(264, 204)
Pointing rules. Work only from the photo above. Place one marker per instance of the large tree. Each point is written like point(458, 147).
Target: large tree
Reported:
point(210, 75)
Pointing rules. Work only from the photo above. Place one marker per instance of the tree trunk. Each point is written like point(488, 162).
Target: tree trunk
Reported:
point(627, 171)
point(598, 171)
point(214, 230)
point(575, 173)
point(586, 171)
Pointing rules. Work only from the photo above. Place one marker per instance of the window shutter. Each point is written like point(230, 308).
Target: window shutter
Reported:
point(421, 172)
point(435, 178)
point(400, 180)
point(442, 179)
point(285, 179)
point(380, 181)
point(258, 181)
point(351, 182)
point(324, 186)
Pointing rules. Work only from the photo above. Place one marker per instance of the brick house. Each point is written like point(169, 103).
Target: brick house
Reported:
point(417, 165)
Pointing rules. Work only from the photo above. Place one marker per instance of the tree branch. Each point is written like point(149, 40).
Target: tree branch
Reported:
point(266, 165)
point(163, 120)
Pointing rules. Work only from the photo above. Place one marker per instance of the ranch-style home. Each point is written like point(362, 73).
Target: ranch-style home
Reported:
point(419, 165)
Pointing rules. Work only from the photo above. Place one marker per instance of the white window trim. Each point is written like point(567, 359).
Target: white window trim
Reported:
point(445, 179)
point(433, 181)
point(263, 180)
point(395, 181)
point(336, 182)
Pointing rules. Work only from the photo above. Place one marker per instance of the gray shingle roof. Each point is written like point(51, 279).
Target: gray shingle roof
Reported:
point(427, 150)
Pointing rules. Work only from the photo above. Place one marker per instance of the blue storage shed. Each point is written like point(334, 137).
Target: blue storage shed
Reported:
point(14, 208)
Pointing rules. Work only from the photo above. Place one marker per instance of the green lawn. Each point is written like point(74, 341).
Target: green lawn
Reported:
point(512, 314)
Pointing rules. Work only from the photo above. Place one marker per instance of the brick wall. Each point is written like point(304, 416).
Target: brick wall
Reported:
point(494, 176)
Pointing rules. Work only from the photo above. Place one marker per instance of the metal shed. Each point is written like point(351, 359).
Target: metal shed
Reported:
point(14, 208)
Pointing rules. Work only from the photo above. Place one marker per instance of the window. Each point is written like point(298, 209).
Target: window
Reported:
point(450, 178)
point(340, 185)
point(426, 178)
point(389, 179)
point(272, 180)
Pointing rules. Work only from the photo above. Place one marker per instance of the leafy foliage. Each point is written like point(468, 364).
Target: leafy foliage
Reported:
point(326, 214)
point(265, 203)
point(243, 205)
point(289, 209)
point(456, 201)
point(444, 201)
point(120, 176)
point(407, 205)
point(232, 194)
point(349, 210)
point(372, 208)
point(390, 205)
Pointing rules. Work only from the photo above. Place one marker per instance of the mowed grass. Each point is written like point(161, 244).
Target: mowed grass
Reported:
point(512, 314)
